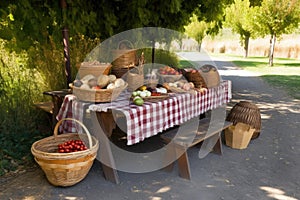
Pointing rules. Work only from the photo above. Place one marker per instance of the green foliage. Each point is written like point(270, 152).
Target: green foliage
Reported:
point(212, 11)
point(196, 29)
point(277, 17)
point(20, 87)
point(23, 78)
point(239, 17)
point(161, 57)
point(31, 55)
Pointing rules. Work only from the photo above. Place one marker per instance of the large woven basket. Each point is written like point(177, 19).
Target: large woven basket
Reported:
point(196, 78)
point(121, 72)
point(65, 169)
point(124, 56)
point(94, 68)
point(98, 95)
point(248, 113)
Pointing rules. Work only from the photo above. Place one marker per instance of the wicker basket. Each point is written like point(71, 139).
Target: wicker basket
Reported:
point(98, 95)
point(248, 113)
point(196, 78)
point(238, 136)
point(124, 57)
point(169, 78)
point(65, 169)
point(135, 78)
point(94, 68)
point(210, 75)
point(120, 72)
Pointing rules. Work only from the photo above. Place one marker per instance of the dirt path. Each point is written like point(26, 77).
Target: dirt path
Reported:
point(267, 169)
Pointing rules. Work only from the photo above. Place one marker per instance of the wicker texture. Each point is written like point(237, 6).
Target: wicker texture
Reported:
point(169, 78)
point(95, 70)
point(121, 72)
point(125, 54)
point(196, 78)
point(210, 75)
point(135, 78)
point(123, 57)
point(65, 169)
point(248, 113)
point(99, 95)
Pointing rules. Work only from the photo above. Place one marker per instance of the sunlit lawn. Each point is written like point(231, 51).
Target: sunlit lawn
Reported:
point(284, 74)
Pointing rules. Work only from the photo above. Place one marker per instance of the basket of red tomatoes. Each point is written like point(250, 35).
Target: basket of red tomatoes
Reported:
point(66, 158)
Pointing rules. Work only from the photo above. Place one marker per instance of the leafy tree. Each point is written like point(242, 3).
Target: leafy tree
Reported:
point(277, 17)
point(196, 30)
point(239, 16)
point(33, 29)
point(31, 21)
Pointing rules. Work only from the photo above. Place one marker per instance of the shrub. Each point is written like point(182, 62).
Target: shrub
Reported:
point(161, 56)
point(23, 79)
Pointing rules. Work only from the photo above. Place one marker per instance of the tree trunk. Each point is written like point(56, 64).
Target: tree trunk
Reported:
point(271, 51)
point(200, 44)
point(246, 47)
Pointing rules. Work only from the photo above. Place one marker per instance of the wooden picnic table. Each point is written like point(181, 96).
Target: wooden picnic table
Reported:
point(142, 121)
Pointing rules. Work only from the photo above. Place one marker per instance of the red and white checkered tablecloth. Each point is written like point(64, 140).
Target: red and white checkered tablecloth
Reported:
point(151, 118)
point(71, 108)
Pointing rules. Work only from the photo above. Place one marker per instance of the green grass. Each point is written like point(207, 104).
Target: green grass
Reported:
point(291, 83)
point(185, 64)
point(284, 74)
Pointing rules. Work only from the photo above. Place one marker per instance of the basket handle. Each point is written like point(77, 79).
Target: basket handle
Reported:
point(207, 68)
point(80, 123)
point(127, 41)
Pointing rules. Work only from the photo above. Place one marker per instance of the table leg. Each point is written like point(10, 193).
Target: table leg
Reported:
point(57, 102)
point(107, 122)
point(103, 125)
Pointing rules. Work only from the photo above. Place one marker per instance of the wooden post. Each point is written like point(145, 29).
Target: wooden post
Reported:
point(65, 34)
point(153, 52)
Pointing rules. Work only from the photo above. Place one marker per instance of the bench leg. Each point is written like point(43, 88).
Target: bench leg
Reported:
point(218, 146)
point(211, 144)
point(183, 163)
point(169, 156)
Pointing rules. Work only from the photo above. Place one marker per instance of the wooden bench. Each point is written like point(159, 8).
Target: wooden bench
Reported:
point(52, 107)
point(45, 106)
point(180, 139)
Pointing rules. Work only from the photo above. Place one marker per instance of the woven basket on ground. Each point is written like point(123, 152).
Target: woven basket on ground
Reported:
point(248, 113)
point(65, 169)
point(98, 95)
